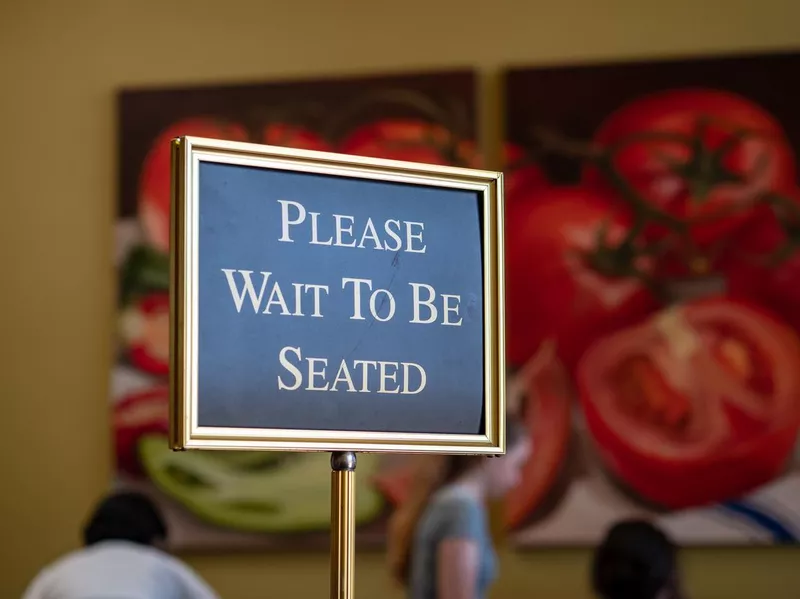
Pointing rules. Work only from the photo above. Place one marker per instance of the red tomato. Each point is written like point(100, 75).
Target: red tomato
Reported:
point(154, 179)
point(560, 283)
point(280, 134)
point(546, 411)
point(696, 405)
point(136, 415)
point(146, 332)
point(764, 264)
point(469, 155)
point(713, 184)
point(411, 140)
point(522, 177)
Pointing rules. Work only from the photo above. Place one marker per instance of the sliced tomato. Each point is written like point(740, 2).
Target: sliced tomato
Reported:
point(291, 136)
point(411, 140)
point(135, 416)
point(546, 410)
point(564, 278)
point(155, 176)
point(698, 404)
point(715, 153)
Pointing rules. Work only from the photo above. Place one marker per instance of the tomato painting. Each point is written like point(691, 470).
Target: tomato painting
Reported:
point(698, 404)
point(408, 139)
point(569, 275)
point(702, 156)
point(154, 179)
point(135, 416)
point(547, 412)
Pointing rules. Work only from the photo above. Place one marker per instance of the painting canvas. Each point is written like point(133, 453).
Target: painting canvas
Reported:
point(229, 500)
point(652, 290)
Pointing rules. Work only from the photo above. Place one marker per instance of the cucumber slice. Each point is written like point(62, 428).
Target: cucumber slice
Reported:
point(285, 493)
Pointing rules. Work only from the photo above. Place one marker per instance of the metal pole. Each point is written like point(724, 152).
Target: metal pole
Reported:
point(343, 523)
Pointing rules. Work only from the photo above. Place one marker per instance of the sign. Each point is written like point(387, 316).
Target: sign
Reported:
point(334, 303)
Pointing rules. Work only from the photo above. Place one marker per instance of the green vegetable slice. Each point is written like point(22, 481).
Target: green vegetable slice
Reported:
point(256, 491)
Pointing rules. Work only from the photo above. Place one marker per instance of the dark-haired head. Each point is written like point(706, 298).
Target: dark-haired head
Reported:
point(636, 560)
point(125, 516)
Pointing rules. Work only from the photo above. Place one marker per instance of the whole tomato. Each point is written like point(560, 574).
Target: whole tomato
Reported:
point(546, 404)
point(137, 415)
point(569, 275)
point(703, 156)
point(155, 176)
point(763, 264)
point(411, 140)
point(145, 331)
point(291, 136)
point(522, 176)
point(698, 404)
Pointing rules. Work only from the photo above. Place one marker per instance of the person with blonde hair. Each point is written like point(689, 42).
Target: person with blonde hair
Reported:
point(440, 543)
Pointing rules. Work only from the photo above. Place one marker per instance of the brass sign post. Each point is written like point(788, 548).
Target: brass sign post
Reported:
point(343, 523)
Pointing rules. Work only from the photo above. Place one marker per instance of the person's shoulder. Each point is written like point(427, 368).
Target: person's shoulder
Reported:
point(48, 575)
point(458, 504)
point(458, 514)
point(63, 562)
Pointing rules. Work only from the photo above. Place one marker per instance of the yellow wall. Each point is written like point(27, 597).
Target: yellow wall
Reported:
point(60, 63)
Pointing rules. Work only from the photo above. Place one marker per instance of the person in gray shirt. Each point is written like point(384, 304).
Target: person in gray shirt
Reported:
point(440, 543)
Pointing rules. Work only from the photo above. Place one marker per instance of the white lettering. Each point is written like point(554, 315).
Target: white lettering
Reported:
point(410, 237)
point(376, 376)
point(423, 379)
point(276, 297)
point(433, 312)
point(341, 229)
point(394, 234)
point(343, 375)
point(286, 222)
point(313, 373)
point(374, 309)
point(370, 233)
point(365, 364)
point(357, 295)
point(317, 288)
point(387, 376)
point(447, 308)
point(298, 376)
point(314, 235)
point(238, 296)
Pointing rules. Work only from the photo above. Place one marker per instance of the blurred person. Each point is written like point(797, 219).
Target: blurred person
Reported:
point(636, 560)
point(440, 543)
point(120, 559)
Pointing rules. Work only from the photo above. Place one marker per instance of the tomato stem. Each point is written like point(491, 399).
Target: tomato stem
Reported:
point(702, 172)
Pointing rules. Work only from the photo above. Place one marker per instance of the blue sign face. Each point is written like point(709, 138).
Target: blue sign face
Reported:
point(333, 303)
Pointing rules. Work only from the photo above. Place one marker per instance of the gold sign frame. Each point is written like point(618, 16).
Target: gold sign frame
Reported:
point(185, 433)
